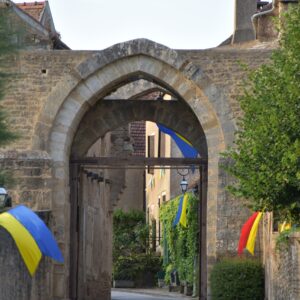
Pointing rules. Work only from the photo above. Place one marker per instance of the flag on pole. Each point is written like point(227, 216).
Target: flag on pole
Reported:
point(248, 233)
point(183, 144)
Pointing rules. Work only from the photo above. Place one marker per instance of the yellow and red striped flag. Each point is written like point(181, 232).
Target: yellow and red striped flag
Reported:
point(248, 233)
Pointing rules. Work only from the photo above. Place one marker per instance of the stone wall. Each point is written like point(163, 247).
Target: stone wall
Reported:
point(16, 282)
point(230, 217)
point(282, 266)
point(132, 196)
point(37, 73)
point(32, 173)
point(226, 67)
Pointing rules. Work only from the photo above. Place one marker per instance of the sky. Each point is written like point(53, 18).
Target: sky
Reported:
point(178, 24)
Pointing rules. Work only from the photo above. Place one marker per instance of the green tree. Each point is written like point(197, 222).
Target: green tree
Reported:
point(266, 158)
point(7, 48)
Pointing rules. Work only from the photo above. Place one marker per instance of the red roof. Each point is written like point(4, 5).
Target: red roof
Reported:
point(33, 9)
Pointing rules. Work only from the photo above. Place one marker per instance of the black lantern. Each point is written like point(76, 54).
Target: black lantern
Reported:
point(184, 185)
point(183, 182)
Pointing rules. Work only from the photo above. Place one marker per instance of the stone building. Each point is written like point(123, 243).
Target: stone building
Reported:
point(35, 24)
point(59, 104)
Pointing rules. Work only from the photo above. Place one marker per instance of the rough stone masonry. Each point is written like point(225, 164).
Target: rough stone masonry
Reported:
point(52, 102)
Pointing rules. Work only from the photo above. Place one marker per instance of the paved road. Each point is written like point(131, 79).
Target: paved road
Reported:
point(134, 296)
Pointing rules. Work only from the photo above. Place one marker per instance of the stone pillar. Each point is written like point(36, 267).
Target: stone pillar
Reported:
point(15, 281)
point(244, 31)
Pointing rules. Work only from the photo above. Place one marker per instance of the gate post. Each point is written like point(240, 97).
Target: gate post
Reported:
point(74, 229)
point(202, 233)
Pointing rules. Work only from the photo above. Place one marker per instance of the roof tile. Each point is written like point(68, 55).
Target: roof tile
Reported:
point(34, 9)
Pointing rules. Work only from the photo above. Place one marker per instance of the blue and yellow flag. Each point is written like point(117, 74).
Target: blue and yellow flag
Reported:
point(26, 244)
point(182, 220)
point(186, 148)
point(178, 215)
point(181, 212)
point(31, 235)
point(39, 231)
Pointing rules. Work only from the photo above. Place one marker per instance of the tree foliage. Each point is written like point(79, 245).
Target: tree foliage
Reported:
point(7, 49)
point(266, 159)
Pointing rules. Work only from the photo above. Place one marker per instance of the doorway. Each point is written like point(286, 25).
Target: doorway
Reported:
point(89, 272)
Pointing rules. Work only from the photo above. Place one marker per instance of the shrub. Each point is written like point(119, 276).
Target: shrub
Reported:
point(130, 260)
point(136, 266)
point(130, 233)
point(237, 279)
point(282, 240)
point(125, 268)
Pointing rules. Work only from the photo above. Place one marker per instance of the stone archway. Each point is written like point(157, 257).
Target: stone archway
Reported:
point(108, 115)
point(96, 77)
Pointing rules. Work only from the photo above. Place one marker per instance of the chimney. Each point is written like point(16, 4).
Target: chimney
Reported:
point(244, 31)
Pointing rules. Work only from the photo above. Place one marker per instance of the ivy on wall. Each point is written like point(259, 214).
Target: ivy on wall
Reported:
point(181, 242)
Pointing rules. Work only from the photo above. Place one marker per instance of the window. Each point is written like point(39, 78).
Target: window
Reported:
point(161, 144)
point(151, 151)
point(153, 234)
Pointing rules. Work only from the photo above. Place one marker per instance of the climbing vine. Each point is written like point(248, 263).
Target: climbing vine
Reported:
point(181, 242)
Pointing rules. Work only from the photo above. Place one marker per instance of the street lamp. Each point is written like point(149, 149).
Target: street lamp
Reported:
point(184, 185)
point(5, 199)
point(183, 182)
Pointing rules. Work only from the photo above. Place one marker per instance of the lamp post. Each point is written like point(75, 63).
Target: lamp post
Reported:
point(5, 199)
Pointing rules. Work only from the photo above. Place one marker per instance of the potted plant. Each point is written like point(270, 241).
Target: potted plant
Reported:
point(160, 278)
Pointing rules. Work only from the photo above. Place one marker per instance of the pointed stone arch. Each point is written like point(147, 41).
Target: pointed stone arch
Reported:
point(93, 79)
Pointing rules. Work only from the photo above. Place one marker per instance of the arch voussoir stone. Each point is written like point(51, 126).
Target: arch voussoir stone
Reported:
point(128, 49)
